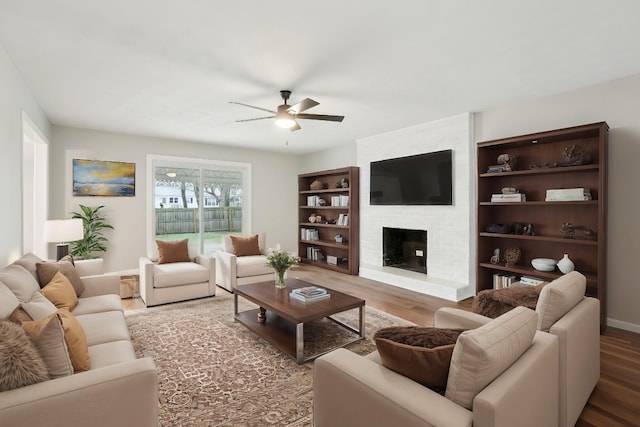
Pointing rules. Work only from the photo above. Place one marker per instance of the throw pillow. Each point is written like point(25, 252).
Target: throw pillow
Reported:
point(19, 281)
point(420, 353)
point(76, 340)
point(8, 302)
point(20, 363)
point(558, 297)
point(60, 292)
point(39, 306)
point(29, 261)
point(245, 246)
point(495, 302)
point(482, 354)
point(173, 251)
point(48, 336)
point(19, 315)
point(46, 271)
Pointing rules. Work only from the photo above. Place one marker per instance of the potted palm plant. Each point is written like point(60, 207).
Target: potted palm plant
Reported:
point(93, 241)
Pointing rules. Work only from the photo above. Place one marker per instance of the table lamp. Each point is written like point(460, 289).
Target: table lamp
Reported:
point(63, 231)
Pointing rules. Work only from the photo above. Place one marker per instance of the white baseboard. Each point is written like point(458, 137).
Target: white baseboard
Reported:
point(631, 327)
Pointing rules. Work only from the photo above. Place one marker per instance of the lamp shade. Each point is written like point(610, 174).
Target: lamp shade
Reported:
point(63, 230)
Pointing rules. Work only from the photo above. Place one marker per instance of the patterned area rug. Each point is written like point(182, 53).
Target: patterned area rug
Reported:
point(213, 371)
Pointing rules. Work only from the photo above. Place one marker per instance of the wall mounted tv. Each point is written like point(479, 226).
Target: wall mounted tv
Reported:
point(423, 179)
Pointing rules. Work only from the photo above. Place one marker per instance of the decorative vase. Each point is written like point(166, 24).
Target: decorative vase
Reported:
point(565, 265)
point(280, 284)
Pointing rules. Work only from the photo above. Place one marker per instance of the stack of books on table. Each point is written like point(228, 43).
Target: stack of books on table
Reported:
point(515, 197)
point(567, 194)
point(309, 294)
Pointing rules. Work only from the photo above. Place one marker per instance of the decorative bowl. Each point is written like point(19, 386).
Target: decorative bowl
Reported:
point(544, 264)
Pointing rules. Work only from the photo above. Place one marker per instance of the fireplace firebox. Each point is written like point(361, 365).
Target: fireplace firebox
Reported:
point(404, 248)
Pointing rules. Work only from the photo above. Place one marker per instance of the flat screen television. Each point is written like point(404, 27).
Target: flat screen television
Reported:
point(423, 179)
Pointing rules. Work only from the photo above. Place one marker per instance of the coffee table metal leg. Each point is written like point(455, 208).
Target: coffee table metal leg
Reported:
point(300, 343)
point(362, 321)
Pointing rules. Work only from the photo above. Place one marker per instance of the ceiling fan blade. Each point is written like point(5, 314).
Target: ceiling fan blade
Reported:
point(320, 117)
point(251, 106)
point(303, 105)
point(257, 118)
point(295, 127)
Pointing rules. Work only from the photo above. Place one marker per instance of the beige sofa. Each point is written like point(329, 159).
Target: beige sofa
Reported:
point(566, 313)
point(352, 390)
point(119, 389)
point(235, 270)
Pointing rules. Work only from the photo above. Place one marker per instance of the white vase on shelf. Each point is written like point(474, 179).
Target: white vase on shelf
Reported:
point(565, 265)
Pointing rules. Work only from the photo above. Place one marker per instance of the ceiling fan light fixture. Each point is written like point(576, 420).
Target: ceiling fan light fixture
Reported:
point(284, 118)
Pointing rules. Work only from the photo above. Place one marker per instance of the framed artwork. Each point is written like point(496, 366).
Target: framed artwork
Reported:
point(103, 178)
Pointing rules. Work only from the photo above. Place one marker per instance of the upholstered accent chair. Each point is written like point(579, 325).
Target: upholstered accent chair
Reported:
point(565, 312)
point(176, 278)
point(240, 261)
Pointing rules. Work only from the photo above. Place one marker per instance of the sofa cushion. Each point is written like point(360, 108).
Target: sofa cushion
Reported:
point(495, 302)
point(420, 353)
point(179, 274)
point(98, 304)
point(19, 281)
point(48, 336)
point(76, 340)
point(245, 245)
point(111, 353)
point(104, 327)
point(173, 251)
point(558, 297)
point(46, 271)
point(482, 354)
point(253, 265)
point(20, 362)
point(29, 261)
point(8, 302)
point(39, 307)
point(60, 292)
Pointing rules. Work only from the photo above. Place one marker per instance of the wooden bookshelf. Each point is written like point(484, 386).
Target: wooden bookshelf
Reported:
point(347, 251)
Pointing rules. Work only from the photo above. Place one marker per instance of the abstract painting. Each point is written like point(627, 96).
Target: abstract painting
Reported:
point(103, 178)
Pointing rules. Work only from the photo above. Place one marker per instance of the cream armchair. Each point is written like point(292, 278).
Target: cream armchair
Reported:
point(566, 313)
point(233, 270)
point(177, 281)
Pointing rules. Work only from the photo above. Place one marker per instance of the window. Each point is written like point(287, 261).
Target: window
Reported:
point(222, 186)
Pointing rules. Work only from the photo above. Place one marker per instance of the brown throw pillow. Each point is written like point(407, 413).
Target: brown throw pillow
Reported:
point(20, 362)
point(76, 340)
point(495, 302)
point(46, 271)
point(48, 336)
point(420, 353)
point(19, 315)
point(245, 246)
point(60, 292)
point(173, 251)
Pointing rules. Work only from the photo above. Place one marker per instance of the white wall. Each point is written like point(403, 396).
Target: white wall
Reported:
point(618, 103)
point(274, 186)
point(14, 99)
point(331, 158)
point(450, 242)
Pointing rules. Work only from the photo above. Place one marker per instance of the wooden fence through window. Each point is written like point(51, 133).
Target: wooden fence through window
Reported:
point(180, 220)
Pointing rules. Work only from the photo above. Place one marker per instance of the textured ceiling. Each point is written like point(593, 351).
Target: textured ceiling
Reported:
point(169, 68)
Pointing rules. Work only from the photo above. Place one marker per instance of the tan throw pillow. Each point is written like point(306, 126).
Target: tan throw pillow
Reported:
point(46, 271)
point(420, 353)
point(39, 307)
point(482, 354)
point(60, 292)
point(48, 336)
point(76, 340)
point(19, 281)
point(173, 251)
point(245, 246)
point(20, 363)
point(19, 315)
point(8, 302)
point(29, 261)
point(558, 297)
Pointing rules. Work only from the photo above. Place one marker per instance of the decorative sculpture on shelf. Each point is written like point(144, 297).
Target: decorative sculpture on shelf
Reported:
point(508, 162)
point(495, 259)
point(572, 155)
point(512, 256)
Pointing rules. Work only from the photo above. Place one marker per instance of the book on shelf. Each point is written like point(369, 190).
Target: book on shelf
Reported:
point(343, 219)
point(314, 253)
point(344, 200)
point(335, 200)
point(530, 281)
point(501, 281)
point(515, 197)
point(495, 168)
point(312, 200)
point(567, 198)
point(309, 234)
point(303, 298)
point(568, 192)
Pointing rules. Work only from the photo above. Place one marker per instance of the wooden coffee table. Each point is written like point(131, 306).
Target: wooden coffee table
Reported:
point(280, 320)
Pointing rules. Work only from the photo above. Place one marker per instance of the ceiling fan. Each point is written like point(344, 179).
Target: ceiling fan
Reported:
point(286, 116)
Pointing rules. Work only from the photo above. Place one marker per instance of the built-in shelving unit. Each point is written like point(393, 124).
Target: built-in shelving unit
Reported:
point(320, 237)
point(545, 151)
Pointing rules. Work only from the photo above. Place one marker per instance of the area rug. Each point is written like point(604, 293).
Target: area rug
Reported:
point(213, 371)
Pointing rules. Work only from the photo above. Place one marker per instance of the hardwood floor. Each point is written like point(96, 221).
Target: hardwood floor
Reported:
point(615, 400)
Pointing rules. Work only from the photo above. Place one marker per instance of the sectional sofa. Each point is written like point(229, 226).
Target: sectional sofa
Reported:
point(117, 389)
